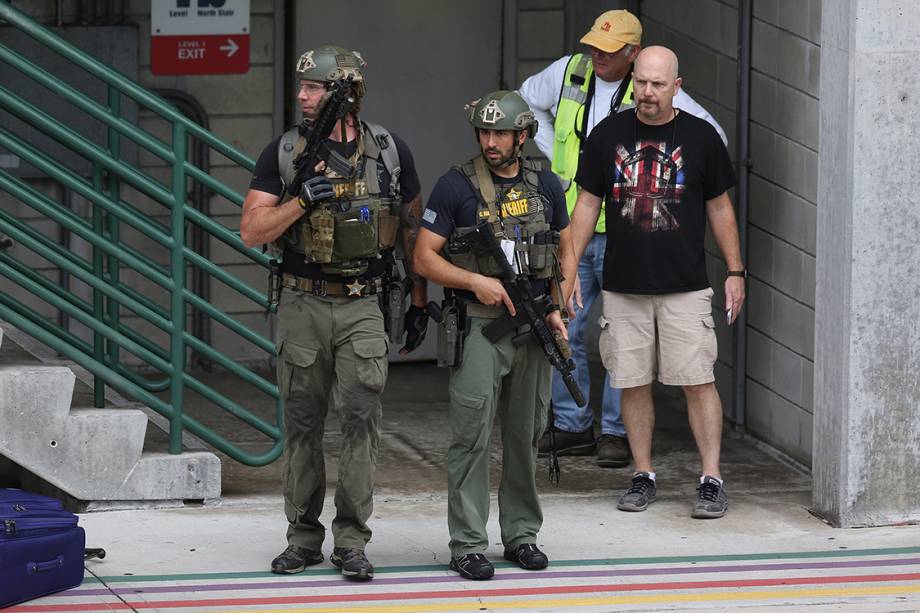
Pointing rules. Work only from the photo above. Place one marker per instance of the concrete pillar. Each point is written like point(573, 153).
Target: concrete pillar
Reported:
point(866, 461)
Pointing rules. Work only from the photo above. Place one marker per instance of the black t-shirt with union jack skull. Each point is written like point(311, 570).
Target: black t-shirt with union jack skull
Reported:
point(655, 181)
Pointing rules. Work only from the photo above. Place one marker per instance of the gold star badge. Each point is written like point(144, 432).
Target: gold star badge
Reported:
point(355, 287)
point(513, 194)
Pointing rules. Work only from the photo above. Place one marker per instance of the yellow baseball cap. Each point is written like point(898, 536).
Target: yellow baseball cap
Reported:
point(614, 29)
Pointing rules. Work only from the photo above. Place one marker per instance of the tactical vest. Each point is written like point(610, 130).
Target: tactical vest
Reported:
point(360, 220)
point(569, 139)
point(516, 215)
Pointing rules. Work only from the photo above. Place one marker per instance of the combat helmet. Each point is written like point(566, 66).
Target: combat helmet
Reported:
point(331, 63)
point(502, 110)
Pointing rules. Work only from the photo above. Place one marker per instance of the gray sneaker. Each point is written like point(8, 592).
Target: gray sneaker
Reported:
point(295, 559)
point(712, 501)
point(639, 495)
point(353, 564)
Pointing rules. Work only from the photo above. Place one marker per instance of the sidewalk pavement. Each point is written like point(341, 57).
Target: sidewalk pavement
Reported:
point(768, 551)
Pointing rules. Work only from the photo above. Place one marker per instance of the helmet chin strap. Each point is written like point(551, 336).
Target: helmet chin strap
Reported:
point(514, 157)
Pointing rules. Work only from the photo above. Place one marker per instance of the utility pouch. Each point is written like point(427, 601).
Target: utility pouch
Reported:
point(394, 310)
point(487, 264)
point(274, 285)
point(322, 233)
point(459, 251)
point(451, 320)
point(542, 250)
point(387, 225)
point(356, 234)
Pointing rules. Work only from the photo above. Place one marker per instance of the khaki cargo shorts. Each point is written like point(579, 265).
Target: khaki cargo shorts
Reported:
point(672, 335)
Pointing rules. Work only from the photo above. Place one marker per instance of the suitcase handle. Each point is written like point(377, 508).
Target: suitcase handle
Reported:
point(39, 567)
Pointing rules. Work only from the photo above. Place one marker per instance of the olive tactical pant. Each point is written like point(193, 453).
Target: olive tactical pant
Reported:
point(515, 382)
point(329, 345)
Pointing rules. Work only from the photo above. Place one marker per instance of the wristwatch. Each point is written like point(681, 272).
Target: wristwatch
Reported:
point(737, 273)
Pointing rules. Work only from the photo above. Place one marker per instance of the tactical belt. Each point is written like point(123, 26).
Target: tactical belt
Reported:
point(476, 309)
point(318, 287)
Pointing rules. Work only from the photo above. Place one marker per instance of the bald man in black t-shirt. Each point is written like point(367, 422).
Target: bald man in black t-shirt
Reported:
point(662, 174)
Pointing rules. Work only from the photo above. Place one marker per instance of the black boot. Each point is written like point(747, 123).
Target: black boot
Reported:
point(527, 556)
point(472, 566)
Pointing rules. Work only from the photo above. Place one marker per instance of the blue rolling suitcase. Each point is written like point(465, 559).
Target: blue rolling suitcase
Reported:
point(41, 547)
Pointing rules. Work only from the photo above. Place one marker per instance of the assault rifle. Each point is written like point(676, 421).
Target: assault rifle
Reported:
point(530, 313)
point(338, 105)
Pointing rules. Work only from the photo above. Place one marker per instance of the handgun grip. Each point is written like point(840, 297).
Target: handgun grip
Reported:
point(434, 311)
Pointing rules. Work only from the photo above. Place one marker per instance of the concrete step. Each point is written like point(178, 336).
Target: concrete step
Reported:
point(92, 455)
point(22, 349)
point(34, 396)
point(192, 475)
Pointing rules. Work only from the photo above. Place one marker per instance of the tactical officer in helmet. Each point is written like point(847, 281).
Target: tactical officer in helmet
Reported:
point(525, 208)
point(337, 234)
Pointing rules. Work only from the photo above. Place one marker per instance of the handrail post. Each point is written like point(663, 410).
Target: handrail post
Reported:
point(114, 185)
point(99, 343)
point(177, 302)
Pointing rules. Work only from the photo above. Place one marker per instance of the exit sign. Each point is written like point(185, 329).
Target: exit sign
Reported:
point(197, 37)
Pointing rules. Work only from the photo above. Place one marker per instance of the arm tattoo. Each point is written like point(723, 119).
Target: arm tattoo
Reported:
point(410, 221)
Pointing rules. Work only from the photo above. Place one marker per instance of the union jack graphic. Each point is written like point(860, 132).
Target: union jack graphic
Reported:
point(646, 183)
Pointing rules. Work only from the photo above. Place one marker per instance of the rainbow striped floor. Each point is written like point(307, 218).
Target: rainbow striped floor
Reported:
point(856, 580)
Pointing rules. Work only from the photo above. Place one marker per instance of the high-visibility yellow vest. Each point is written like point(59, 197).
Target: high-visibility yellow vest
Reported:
point(567, 127)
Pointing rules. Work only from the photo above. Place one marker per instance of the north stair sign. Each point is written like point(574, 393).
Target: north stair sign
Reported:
point(189, 37)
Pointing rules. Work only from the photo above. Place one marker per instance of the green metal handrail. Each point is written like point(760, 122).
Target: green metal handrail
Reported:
point(102, 313)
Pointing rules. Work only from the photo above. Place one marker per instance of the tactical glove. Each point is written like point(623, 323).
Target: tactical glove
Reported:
point(315, 190)
point(416, 327)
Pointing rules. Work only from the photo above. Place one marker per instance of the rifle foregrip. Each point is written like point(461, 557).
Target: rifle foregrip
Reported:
point(562, 345)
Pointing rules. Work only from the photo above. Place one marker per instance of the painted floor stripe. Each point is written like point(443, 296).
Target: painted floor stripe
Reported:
point(484, 593)
point(568, 603)
point(834, 553)
point(282, 584)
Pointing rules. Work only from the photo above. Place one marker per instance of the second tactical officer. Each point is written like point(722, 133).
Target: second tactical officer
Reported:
point(337, 230)
point(525, 208)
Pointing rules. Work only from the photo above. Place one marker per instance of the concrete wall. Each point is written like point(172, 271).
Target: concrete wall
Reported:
point(783, 201)
point(539, 37)
point(867, 428)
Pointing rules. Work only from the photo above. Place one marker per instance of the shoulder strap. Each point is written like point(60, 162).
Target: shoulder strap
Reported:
point(589, 97)
point(625, 85)
point(387, 148)
point(573, 87)
point(532, 164)
point(531, 173)
point(484, 190)
point(486, 186)
point(382, 146)
point(289, 147)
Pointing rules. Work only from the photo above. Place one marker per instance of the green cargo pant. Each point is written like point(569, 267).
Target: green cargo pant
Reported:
point(329, 345)
point(516, 382)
